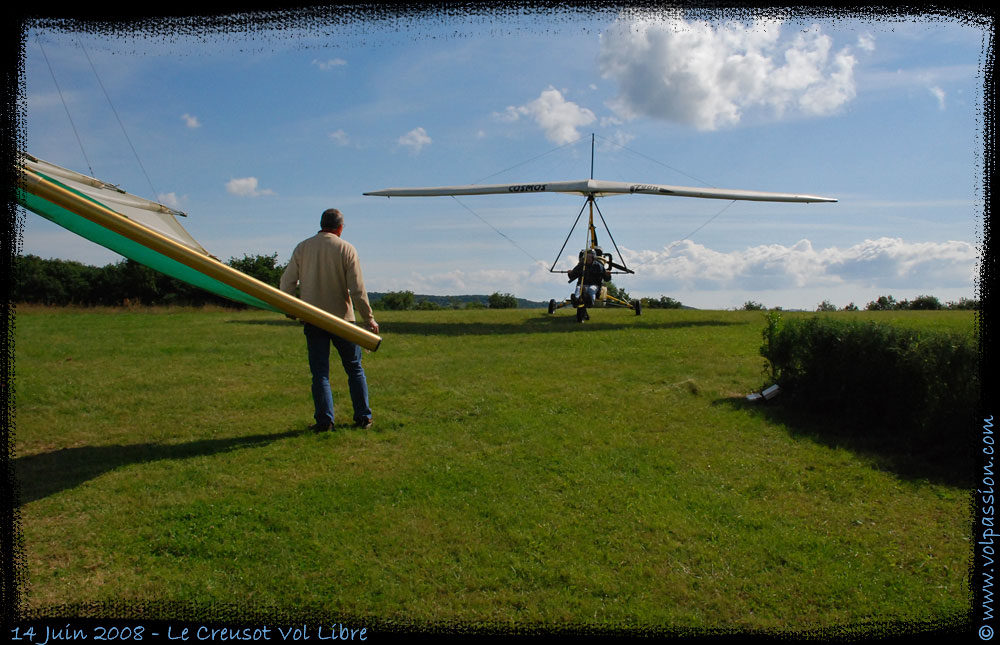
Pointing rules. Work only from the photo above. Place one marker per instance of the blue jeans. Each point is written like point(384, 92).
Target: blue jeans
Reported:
point(318, 344)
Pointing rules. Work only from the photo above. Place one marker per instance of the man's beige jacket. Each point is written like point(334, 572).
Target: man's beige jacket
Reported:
point(328, 273)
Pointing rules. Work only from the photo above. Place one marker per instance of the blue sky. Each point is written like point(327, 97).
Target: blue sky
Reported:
point(254, 132)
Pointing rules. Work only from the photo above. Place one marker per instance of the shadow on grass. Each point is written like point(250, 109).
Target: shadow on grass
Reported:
point(530, 326)
point(948, 461)
point(543, 323)
point(287, 322)
point(48, 473)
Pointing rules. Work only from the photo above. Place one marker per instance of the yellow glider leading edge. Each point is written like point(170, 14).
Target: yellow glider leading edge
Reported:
point(65, 206)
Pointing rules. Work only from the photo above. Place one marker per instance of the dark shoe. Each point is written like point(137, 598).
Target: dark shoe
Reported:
point(321, 427)
point(364, 424)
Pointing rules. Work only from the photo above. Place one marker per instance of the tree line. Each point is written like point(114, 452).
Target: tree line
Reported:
point(407, 300)
point(888, 303)
point(884, 303)
point(65, 282)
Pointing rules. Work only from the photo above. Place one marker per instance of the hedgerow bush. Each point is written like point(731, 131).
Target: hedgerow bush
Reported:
point(917, 384)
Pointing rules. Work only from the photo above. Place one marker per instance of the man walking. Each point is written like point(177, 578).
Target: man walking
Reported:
point(328, 274)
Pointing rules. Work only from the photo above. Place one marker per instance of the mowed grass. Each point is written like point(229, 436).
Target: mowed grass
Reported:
point(523, 469)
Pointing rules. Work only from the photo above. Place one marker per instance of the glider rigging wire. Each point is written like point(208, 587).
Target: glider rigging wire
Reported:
point(122, 125)
point(533, 258)
point(707, 222)
point(636, 152)
point(528, 161)
point(703, 225)
point(500, 172)
point(65, 107)
point(110, 103)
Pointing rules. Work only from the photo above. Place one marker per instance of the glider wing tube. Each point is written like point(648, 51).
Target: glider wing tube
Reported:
point(91, 219)
point(577, 187)
point(598, 188)
point(710, 193)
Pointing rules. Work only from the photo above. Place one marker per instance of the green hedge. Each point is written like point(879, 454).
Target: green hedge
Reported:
point(919, 383)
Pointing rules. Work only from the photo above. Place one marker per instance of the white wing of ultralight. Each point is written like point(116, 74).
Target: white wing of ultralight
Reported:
point(598, 188)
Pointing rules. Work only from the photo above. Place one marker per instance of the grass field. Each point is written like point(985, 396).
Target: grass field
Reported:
point(523, 469)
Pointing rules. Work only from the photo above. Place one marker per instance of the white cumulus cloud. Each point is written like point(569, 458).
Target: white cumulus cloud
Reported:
point(556, 116)
point(706, 76)
point(340, 137)
point(939, 94)
point(796, 275)
point(191, 121)
point(330, 63)
point(459, 281)
point(415, 140)
point(170, 199)
point(246, 187)
point(884, 262)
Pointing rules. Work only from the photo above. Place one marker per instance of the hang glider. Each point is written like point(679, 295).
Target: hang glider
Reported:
point(597, 188)
point(592, 189)
point(150, 234)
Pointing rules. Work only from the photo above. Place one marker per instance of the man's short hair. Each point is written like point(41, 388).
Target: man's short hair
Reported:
point(332, 219)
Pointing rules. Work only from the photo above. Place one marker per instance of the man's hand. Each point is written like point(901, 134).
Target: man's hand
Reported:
point(373, 326)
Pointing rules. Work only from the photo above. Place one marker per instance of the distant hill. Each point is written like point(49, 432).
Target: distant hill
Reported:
point(460, 301)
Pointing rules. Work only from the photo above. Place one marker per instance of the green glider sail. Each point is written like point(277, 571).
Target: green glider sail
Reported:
point(150, 214)
point(150, 234)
